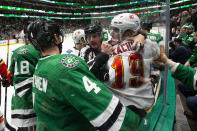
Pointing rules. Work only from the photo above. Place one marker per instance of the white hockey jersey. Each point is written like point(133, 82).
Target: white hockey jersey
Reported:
point(129, 75)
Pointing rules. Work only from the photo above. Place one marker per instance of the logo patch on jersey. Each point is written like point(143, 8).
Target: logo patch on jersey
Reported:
point(69, 61)
point(22, 50)
point(69, 51)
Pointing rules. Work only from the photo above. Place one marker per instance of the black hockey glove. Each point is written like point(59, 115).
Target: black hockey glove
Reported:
point(5, 82)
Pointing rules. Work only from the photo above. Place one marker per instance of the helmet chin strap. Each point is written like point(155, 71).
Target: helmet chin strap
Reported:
point(60, 47)
point(60, 44)
point(121, 34)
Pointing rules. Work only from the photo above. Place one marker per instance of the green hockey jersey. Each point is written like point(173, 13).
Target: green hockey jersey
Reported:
point(23, 62)
point(68, 97)
point(155, 38)
point(189, 40)
point(185, 74)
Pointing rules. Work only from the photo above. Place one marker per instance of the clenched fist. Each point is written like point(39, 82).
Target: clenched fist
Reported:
point(106, 48)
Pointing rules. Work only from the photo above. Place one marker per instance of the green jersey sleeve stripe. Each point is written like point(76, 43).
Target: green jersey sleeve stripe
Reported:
point(113, 118)
point(22, 111)
point(195, 81)
point(22, 116)
point(24, 86)
point(102, 118)
point(118, 123)
point(22, 90)
point(17, 116)
point(17, 121)
point(27, 81)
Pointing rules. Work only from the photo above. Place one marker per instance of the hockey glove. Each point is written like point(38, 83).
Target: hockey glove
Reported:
point(3, 69)
point(5, 82)
point(10, 78)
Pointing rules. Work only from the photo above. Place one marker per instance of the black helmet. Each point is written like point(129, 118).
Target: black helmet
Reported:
point(93, 28)
point(147, 26)
point(26, 24)
point(41, 33)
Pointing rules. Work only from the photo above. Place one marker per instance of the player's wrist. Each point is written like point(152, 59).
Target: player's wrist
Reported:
point(172, 65)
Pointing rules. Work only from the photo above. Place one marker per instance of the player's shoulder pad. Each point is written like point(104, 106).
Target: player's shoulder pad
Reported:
point(25, 49)
point(69, 60)
point(22, 50)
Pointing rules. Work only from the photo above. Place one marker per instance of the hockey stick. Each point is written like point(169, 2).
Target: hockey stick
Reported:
point(5, 104)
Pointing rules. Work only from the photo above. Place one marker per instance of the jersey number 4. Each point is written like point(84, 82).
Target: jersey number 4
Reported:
point(89, 85)
point(136, 70)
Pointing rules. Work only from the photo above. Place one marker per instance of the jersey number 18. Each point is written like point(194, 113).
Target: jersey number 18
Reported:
point(21, 68)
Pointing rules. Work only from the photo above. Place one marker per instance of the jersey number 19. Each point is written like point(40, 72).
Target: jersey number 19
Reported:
point(136, 70)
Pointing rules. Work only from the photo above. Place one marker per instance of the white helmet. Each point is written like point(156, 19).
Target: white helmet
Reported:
point(126, 21)
point(78, 35)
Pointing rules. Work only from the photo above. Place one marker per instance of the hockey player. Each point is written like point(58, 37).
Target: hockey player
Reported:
point(5, 82)
point(129, 79)
point(78, 37)
point(67, 96)
point(97, 53)
point(93, 34)
point(23, 62)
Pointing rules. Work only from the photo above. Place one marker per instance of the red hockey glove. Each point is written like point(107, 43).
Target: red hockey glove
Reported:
point(3, 68)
